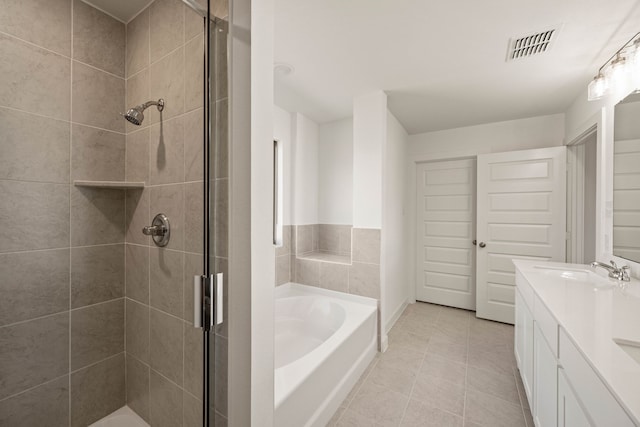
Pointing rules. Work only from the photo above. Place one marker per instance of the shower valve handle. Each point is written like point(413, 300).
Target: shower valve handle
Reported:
point(159, 230)
point(154, 230)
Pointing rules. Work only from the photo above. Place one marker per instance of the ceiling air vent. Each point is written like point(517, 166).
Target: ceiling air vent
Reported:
point(529, 45)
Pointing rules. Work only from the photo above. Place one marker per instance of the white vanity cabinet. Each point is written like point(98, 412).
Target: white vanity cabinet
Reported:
point(536, 350)
point(564, 386)
point(570, 412)
point(536, 354)
point(524, 345)
point(601, 407)
point(545, 380)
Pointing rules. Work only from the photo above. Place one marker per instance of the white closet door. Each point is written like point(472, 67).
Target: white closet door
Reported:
point(521, 215)
point(446, 227)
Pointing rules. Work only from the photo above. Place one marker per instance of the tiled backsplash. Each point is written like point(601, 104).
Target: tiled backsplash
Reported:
point(336, 257)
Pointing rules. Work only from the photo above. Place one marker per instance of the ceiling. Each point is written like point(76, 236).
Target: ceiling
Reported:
point(442, 63)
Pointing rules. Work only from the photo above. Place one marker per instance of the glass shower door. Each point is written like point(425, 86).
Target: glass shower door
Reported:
point(209, 288)
point(218, 217)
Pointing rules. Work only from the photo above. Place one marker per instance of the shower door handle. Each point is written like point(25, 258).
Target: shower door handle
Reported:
point(208, 301)
point(218, 300)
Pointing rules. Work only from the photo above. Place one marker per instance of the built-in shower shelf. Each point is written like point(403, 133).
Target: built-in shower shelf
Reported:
point(118, 185)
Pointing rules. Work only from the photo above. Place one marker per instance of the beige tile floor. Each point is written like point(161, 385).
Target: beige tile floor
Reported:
point(444, 367)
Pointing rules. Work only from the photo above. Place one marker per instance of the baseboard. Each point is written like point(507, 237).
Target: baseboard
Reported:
point(393, 319)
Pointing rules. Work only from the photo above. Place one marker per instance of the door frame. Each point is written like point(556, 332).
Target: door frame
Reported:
point(597, 123)
point(412, 194)
point(576, 172)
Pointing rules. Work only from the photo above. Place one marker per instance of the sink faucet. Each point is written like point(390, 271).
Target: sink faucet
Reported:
point(621, 273)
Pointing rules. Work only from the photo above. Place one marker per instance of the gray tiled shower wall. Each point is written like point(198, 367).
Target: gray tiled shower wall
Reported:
point(62, 266)
point(359, 271)
point(73, 263)
point(163, 349)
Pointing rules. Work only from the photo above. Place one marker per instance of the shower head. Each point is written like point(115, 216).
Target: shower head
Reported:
point(135, 115)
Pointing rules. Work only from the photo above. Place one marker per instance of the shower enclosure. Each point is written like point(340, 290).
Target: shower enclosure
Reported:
point(96, 314)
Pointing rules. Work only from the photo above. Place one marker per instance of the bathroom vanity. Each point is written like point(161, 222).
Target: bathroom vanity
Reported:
point(577, 345)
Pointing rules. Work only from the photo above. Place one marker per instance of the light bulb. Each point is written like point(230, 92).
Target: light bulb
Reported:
point(618, 71)
point(634, 65)
point(597, 88)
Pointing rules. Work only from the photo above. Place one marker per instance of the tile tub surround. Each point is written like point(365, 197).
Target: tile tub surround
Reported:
point(359, 276)
point(62, 320)
point(163, 349)
point(323, 238)
point(444, 367)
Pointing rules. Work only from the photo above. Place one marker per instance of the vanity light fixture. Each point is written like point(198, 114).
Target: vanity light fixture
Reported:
point(619, 72)
point(597, 87)
point(634, 63)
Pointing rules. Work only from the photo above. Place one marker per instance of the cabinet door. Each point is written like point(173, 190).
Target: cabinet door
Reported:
point(524, 345)
point(545, 382)
point(570, 413)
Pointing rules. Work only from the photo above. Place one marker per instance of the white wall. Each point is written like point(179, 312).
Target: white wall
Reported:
point(581, 116)
point(240, 314)
point(282, 131)
point(261, 208)
point(305, 170)
point(523, 134)
point(369, 135)
point(393, 265)
point(534, 132)
point(335, 172)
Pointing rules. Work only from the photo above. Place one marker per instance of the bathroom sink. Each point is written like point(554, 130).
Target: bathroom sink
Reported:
point(565, 273)
point(625, 310)
point(631, 290)
point(632, 348)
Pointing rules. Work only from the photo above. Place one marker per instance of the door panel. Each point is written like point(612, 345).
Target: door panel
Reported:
point(446, 228)
point(521, 215)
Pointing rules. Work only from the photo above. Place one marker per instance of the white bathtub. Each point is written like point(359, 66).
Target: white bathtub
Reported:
point(324, 340)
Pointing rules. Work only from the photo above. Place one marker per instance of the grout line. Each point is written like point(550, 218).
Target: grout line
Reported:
point(34, 387)
point(18, 110)
point(33, 181)
point(113, 356)
point(34, 250)
point(70, 195)
point(97, 69)
point(148, 86)
point(184, 206)
point(98, 128)
point(65, 311)
point(42, 47)
point(96, 304)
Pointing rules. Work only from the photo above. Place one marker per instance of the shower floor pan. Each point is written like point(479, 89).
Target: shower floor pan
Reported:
point(123, 417)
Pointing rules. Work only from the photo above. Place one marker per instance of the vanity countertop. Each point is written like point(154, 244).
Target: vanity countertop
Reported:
point(594, 310)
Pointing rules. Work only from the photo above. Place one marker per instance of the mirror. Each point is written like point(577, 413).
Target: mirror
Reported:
point(626, 178)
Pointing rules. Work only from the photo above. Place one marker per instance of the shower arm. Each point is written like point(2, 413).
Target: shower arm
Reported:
point(159, 103)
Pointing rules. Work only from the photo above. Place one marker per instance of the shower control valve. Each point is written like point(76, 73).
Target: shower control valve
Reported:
point(154, 230)
point(159, 230)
